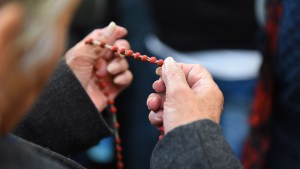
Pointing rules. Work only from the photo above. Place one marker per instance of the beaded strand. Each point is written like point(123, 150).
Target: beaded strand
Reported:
point(103, 86)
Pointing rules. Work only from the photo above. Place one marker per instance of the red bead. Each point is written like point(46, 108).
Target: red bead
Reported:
point(136, 55)
point(152, 59)
point(160, 137)
point(118, 148)
point(110, 101)
point(161, 129)
point(113, 109)
point(114, 48)
point(118, 141)
point(120, 165)
point(102, 44)
point(129, 53)
point(117, 125)
point(122, 51)
point(106, 94)
point(119, 157)
point(99, 75)
point(89, 41)
point(102, 85)
point(144, 58)
point(160, 62)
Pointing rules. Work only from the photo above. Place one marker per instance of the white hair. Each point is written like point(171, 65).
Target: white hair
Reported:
point(38, 34)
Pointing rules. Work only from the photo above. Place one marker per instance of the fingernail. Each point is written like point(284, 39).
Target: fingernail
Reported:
point(158, 71)
point(110, 28)
point(153, 85)
point(168, 62)
point(118, 81)
point(148, 100)
point(156, 116)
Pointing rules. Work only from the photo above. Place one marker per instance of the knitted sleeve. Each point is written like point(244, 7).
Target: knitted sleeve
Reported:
point(196, 145)
point(64, 119)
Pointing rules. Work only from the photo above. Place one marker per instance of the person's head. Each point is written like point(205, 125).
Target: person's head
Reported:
point(32, 39)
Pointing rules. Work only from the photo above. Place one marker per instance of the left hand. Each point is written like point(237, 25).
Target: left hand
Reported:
point(185, 93)
point(87, 60)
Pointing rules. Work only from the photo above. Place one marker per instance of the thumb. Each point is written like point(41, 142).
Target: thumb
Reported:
point(109, 31)
point(173, 76)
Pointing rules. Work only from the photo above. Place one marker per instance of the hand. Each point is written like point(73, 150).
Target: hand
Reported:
point(87, 60)
point(185, 93)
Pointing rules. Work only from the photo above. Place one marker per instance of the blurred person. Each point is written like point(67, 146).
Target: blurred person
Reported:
point(32, 39)
point(274, 139)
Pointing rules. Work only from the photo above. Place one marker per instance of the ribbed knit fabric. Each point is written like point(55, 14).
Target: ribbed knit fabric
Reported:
point(198, 145)
point(64, 119)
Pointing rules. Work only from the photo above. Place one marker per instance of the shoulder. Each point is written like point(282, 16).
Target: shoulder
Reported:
point(17, 156)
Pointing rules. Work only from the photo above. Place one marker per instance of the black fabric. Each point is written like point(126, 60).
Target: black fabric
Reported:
point(205, 24)
point(15, 156)
point(64, 119)
point(199, 145)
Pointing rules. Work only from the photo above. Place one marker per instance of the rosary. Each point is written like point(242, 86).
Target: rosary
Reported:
point(103, 86)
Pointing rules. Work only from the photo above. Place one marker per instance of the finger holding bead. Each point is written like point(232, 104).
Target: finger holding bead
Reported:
point(123, 45)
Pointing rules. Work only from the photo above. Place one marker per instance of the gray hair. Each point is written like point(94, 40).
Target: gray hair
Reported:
point(37, 36)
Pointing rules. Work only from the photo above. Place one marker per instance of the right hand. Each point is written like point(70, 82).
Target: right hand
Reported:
point(185, 93)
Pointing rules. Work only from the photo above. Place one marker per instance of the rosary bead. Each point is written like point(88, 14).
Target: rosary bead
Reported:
point(160, 62)
point(89, 41)
point(129, 53)
point(152, 59)
point(118, 141)
point(120, 165)
point(144, 58)
point(117, 125)
point(114, 48)
point(113, 109)
point(122, 51)
point(103, 85)
point(102, 44)
point(99, 75)
point(161, 129)
point(110, 101)
point(161, 137)
point(119, 157)
point(106, 94)
point(137, 55)
point(119, 148)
